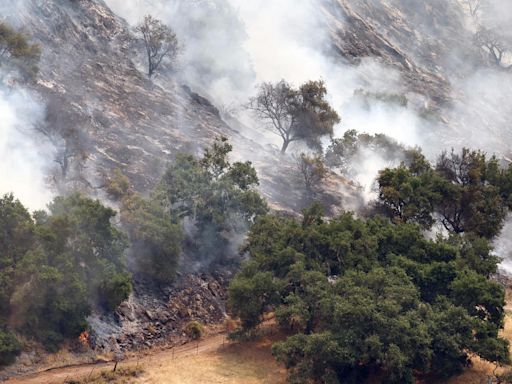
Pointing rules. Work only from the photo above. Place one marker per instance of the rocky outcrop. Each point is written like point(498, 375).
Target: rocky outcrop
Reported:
point(418, 38)
point(155, 316)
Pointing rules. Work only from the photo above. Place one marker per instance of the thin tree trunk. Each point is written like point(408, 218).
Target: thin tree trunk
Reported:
point(285, 146)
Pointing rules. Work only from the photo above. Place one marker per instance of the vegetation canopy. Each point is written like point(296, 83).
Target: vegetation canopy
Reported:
point(369, 297)
point(296, 114)
point(55, 266)
point(200, 208)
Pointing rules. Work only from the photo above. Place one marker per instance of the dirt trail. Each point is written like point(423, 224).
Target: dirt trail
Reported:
point(59, 375)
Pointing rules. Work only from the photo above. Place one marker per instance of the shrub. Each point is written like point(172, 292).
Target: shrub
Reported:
point(51, 340)
point(9, 347)
point(114, 290)
point(16, 51)
point(194, 330)
point(118, 185)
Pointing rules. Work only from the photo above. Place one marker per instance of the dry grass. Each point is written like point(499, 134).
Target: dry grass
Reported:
point(480, 371)
point(126, 375)
point(248, 363)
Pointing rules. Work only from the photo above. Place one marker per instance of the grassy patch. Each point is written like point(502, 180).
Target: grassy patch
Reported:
point(120, 376)
point(247, 362)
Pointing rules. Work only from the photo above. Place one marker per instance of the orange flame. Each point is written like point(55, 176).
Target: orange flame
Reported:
point(84, 338)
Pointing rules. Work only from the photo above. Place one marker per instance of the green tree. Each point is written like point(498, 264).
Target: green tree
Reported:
point(9, 347)
point(471, 199)
point(468, 192)
point(406, 196)
point(250, 292)
point(114, 290)
point(160, 43)
point(61, 262)
point(344, 152)
point(201, 205)
point(296, 114)
point(218, 198)
point(365, 297)
point(155, 235)
point(16, 239)
point(312, 171)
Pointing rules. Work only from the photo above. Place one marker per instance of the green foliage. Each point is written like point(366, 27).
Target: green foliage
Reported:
point(467, 191)
point(346, 151)
point(160, 43)
point(406, 196)
point(118, 185)
point(313, 116)
point(214, 200)
point(16, 238)
point(9, 347)
point(194, 330)
point(17, 52)
point(218, 198)
point(155, 235)
point(55, 265)
point(115, 290)
point(370, 296)
point(249, 294)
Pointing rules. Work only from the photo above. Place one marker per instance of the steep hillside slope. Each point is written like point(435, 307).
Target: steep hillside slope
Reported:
point(104, 113)
point(464, 99)
point(416, 37)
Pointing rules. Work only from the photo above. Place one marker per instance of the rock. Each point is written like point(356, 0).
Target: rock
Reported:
point(149, 314)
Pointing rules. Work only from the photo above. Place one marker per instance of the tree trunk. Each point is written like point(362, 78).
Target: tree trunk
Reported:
point(285, 146)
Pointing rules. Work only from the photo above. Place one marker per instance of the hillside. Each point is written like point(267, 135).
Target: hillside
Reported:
point(147, 203)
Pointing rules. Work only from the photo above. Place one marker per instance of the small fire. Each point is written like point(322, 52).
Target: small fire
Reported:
point(84, 338)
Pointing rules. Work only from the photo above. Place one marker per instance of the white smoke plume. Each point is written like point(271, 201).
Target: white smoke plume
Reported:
point(24, 156)
point(232, 45)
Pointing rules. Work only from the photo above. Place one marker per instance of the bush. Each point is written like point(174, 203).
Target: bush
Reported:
point(9, 347)
point(114, 290)
point(18, 52)
point(51, 340)
point(194, 330)
point(118, 185)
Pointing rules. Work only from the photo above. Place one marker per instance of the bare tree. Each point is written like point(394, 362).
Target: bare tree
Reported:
point(274, 104)
point(160, 42)
point(495, 46)
point(312, 171)
point(473, 6)
point(67, 132)
point(295, 114)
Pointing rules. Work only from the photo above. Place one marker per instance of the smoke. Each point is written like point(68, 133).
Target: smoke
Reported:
point(24, 156)
point(232, 45)
point(235, 44)
point(503, 246)
point(213, 59)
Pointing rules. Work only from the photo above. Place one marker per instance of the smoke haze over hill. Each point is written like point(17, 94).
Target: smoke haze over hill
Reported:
point(24, 155)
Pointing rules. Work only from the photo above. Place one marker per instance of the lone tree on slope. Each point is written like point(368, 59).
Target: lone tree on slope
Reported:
point(496, 46)
point(473, 6)
point(313, 171)
point(295, 114)
point(160, 42)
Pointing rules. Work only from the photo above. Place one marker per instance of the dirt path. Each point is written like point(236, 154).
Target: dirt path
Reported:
point(59, 375)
